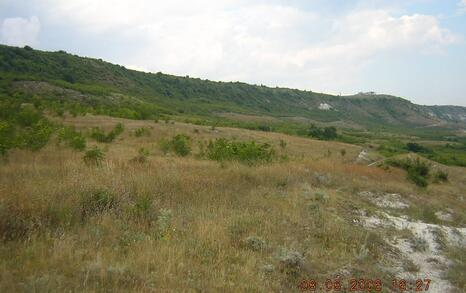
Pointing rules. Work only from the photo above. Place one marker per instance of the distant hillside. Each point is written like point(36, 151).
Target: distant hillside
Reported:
point(82, 84)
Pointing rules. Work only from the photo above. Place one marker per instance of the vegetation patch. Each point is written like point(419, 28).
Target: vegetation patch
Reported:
point(249, 153)
point(455, 273)
point(322, 133)
point(180, 144)
point(94, 157)
point(418, 170)
point(142, 131)
point(72, 138)
point(22, 125)
point(99, 135)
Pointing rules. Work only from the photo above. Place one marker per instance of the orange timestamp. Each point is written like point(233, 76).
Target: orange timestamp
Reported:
point(362, 285)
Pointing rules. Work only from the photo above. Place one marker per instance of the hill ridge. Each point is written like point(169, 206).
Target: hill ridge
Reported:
point(168, 94)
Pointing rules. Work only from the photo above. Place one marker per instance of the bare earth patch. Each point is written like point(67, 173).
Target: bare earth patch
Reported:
point(424, 250)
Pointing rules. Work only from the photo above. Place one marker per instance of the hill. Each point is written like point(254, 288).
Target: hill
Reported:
point(86, 84)
point(145, 202)
point(144, 217)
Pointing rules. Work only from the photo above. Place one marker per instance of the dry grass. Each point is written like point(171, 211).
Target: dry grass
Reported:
point(180, 224)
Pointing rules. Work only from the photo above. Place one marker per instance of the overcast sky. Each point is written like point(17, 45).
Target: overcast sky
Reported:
point(415, 49)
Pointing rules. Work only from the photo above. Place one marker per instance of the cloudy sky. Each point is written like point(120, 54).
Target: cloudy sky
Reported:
point(412, 48)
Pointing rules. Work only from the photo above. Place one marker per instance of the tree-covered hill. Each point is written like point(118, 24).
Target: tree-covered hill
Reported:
point(59, 79)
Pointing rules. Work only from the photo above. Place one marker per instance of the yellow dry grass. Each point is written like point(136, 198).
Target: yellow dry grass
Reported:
point(181, 224)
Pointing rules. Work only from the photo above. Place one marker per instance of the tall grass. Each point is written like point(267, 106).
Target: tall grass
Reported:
point(187, 224)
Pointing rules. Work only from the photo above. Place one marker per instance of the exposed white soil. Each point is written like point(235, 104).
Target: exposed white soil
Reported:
point(363, 157)
point(325, 106)
point(445, 215)
point(428, 258)
point(385, 200)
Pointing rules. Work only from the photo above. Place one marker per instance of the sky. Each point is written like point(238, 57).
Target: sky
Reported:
point(415, 49)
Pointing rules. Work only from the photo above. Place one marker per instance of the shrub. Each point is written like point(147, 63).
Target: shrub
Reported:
point(249, 153)
point(440, 176)
point(119, 128)
point(36, 137)
point(255, 243)
point(418, 170)
point(7, 133)
point(264, 128)
point(99, 135)
point(180, 144)
point(327, 133)
point(94, 157)
point(141, 157)
point(141, 131)
point(144, 210)
point(417, 148)
point(290, 261)
point(72, 138)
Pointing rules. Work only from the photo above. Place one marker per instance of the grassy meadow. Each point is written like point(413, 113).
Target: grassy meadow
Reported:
point(167, 223)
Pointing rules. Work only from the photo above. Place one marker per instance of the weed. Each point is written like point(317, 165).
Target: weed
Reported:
point(94, 156)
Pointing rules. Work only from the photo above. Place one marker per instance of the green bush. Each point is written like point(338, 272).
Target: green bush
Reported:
point(119, 128)
point(36, 137)
point(99, 135)
point(94, 157)
point(327, 133)
point(418, 170)
point(7, 134)
point(417, 148)
point(249, 153)
point(180, 144)
point(72, 138)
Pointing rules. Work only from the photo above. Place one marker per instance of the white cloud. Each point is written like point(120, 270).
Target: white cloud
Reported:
point(252, 41)
point(462, 6)
point(20, 31)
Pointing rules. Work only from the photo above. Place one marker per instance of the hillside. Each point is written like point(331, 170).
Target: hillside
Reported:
point(113, 180)
point(104, 88)
point(143, 217)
